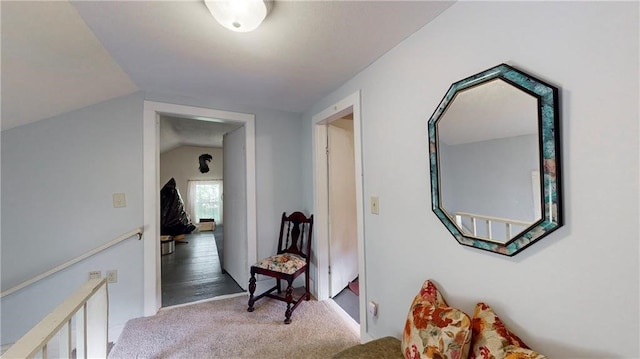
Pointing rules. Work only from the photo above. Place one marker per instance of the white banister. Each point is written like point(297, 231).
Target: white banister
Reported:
point(474, 224)
point(489, 220)
point(137, 231)
point(89, 307)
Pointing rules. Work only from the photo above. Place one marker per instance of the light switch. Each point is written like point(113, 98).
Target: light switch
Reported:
point(119, 200)
point(375, 205)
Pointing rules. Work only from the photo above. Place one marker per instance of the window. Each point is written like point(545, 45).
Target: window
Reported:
point(205, 200)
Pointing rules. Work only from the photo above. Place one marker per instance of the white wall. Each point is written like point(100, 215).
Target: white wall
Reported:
point(279, 164)
point(182, 164)
point(279, 144)
point(491, 177)
point(573, 294)
point(58, 179)
point(58, 176)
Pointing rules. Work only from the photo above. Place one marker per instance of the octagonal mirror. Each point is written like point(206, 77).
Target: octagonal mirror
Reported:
point(494, 156)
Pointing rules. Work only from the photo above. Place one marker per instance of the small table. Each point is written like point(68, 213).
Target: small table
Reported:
point(206, 224)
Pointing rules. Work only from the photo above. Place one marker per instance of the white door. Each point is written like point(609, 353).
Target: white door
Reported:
point(343, 242)
point(234, 253)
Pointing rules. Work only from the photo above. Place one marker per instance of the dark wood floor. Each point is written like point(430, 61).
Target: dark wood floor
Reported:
point(193, 271)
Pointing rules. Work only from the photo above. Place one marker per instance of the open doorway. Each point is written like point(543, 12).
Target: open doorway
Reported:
point(345, 112)
point(151, 159)
point(192, 160)
point(342, 213)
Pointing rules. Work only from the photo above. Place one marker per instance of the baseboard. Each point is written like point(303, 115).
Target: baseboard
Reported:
point(344, 315)
point(365, 337)
point(312, 288)
point(225, 296)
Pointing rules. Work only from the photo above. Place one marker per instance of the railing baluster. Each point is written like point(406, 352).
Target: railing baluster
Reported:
point(80, 333)
point(70, 335)
point(459, 221)
point(84, 331)
point(65, 341)
point(35, 344)
point(474, 226)
point(509, 223)
point(97, 323)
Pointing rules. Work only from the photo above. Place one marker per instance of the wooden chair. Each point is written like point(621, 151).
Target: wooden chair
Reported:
point(292, 260)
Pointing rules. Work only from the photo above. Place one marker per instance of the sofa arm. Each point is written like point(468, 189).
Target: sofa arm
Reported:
point(383, 348)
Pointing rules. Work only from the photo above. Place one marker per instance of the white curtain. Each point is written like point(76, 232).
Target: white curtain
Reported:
point(204, 200)
point(192, 201)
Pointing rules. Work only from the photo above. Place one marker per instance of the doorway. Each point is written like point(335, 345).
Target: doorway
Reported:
point(151, 190)
point(349, 106)
point(192, 159)
point(343, 242)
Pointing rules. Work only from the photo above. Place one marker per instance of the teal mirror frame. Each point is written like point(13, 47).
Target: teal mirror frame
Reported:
point(549, 157)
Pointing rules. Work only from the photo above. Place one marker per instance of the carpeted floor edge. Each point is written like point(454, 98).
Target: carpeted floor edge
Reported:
point(224, 329)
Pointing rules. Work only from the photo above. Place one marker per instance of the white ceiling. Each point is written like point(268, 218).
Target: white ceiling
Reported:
point(52, 64)
point(59, 56)
point(176, 132)
point(493, 110)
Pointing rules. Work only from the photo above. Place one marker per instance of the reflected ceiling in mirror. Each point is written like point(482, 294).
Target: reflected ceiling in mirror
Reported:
point(493, 153)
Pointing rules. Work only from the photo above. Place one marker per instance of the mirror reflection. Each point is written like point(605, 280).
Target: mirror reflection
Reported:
point(489, 164)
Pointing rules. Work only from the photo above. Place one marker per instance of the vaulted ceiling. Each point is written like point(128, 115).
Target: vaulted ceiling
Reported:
point(58, 56)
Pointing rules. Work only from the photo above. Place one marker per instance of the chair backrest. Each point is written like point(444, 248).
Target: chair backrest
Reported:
point(295, 234)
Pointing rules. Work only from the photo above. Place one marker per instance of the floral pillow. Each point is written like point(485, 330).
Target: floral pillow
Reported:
point(433, 329)
point(491, 339)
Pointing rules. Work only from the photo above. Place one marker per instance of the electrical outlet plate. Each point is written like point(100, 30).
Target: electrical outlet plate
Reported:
point(112, 276)
point(373, 308)
point(119, 200)
point(95, 274)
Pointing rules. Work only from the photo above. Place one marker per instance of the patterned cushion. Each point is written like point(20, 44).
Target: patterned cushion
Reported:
point(491, 339)
point(284, 263)
point(433, 329)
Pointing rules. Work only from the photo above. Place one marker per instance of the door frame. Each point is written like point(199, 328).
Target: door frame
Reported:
point(152, 292)
point(350, 104)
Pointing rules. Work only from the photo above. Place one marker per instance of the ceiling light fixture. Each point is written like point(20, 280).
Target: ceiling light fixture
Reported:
point(239, 15)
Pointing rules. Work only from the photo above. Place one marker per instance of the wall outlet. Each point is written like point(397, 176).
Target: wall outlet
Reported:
point(119, 200)
point(95, 274)
point(373, 308)
point(112, 276)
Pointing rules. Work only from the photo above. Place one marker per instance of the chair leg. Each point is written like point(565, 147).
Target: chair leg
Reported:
point(252, 289)
point(306, 284)
point(289, 299)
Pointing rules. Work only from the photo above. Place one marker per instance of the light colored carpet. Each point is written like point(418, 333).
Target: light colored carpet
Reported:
point(224, 329)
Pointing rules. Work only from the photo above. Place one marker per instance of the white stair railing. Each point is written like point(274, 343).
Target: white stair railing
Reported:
point(137, 231)
point(473, 219)
point(80, 325)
